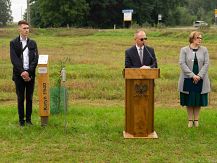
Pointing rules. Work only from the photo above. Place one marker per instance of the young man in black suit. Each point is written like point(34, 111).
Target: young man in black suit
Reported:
point(140, 55)
point(24, 58)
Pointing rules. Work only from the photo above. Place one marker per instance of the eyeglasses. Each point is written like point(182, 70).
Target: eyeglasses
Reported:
point(142, 39)
point(25, 28)
point(199, 38)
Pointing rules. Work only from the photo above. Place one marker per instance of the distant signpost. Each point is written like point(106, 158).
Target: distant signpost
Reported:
point(159, 18)
point(127, 17)
point(215, 16)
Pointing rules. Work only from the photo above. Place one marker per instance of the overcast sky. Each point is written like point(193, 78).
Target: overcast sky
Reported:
point(18, 8)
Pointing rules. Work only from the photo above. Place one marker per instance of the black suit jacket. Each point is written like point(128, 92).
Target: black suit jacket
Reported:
point(132, 59)
point(16, 56)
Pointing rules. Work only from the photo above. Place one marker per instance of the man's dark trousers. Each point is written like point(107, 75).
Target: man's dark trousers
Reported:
point(24, 89)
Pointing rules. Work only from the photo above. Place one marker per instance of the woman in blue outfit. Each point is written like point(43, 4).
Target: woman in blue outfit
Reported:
point(194, 83)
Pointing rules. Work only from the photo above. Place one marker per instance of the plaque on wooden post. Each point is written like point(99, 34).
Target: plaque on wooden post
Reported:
point(43, 89)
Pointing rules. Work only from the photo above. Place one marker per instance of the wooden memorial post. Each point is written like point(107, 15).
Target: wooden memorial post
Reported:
point(43, 89)
point(139, 102)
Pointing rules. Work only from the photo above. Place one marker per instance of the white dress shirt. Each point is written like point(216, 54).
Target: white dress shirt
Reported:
point(25, 54)
point(137, 47)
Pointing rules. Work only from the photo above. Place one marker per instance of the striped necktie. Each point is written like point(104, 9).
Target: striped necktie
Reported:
point(141, 55)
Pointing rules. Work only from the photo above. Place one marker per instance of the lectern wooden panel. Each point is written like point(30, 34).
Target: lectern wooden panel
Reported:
point(139, 102)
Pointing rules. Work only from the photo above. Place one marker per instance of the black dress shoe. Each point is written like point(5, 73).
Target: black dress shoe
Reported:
point(29, 123)
point(22, 124)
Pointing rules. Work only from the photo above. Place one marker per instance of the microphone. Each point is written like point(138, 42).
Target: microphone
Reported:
point(148, 52)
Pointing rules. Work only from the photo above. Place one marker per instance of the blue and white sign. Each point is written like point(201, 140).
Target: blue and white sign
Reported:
point(159, 17)
point(127, 11)
point(127, 14)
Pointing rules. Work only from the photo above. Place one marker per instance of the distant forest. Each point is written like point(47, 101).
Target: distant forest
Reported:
point(106, 13)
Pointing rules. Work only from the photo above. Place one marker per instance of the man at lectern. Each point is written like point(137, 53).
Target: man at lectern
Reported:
point(140, 55)
point(24, 58)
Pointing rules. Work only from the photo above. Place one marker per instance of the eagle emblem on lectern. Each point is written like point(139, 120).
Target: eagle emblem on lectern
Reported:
point(141, 89)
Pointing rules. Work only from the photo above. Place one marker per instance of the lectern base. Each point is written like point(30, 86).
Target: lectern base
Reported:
point(153, 135)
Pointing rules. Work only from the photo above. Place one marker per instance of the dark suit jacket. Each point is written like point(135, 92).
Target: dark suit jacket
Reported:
point(132, 59)
point(16, 56)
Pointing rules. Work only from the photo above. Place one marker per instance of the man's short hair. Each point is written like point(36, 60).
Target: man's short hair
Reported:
point(22, 22)
point(138, 31)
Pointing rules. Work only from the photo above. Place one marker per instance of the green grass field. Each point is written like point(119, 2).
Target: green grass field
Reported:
point(94, 61)
point(94, 134)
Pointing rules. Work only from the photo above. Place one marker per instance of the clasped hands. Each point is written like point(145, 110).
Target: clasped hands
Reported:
point(196, 79)
point(25, 76)
point(145, 67)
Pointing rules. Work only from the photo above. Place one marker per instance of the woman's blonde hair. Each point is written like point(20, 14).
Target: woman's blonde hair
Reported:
point(193, 35)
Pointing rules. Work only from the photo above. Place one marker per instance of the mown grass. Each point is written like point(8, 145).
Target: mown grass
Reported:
point(94, 134)
point(94, 60)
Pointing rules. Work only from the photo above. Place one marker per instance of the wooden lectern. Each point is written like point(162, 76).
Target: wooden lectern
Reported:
point(43, 89)
point(139, 102)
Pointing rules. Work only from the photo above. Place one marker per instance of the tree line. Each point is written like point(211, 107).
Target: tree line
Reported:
point(106, 13)
point(5, 12)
